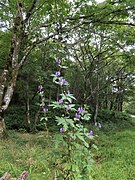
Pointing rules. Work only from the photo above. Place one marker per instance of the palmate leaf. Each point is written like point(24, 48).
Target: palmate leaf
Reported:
point(63, 96)
point(71, 96)
point(63, 67)
point(70, 122)
point(55, 105)
point(80, 136)
point(65, 126)
point(54, 79)
point(60, 120)
point(69, 99)
point(87, 117)
point(59, 140)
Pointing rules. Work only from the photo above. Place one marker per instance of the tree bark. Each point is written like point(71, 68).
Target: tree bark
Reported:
point(28, 123)
point(119, 102)
point(96, 113)
point(5, 99)
point(3, 132)
point(10, 73)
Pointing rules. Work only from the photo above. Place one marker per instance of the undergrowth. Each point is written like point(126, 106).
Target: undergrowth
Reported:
point(114, 159)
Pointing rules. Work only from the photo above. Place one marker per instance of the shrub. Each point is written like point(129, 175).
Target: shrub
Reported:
point(15, 117)
point(112, 116)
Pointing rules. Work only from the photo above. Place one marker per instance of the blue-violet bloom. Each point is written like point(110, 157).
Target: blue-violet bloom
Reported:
point(45, 110)
point(57, 73)
point(77, 116)
point(43, 98)
point(68, 107)
point(68, 92)
point(41, 92)
point(62, 81)
point(91, 133)
point(80, 110)
point(60, 101)
point(62, 130)
point(40, 87)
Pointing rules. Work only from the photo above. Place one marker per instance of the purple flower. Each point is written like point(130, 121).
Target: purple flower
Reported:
point(41, 92)
point(68, 92)
point(62, 81)
point(58, 61)
point(57, 73)
point(45, 110)
point(60, 101)
point(62, 130)
point(91, 133)
point(77, 116)
point(43, 98)
point(68, 107)
point(80, 110)
point(40, 87)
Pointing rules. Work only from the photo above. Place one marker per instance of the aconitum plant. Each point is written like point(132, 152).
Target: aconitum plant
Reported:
point(76, 159)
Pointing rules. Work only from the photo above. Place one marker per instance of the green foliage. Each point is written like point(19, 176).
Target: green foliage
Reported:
point(74, 138)
point(131, 108)
point(112, 116)
point(15, 117)
point(93, 36)
point(4, 46)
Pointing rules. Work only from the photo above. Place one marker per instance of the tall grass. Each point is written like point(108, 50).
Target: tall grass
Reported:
point(27, 152)
point(114, 159)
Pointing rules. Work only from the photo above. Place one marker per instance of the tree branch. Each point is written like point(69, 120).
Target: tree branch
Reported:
point(30, 11)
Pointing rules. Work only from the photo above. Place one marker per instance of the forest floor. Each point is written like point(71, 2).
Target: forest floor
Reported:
point(114, 159)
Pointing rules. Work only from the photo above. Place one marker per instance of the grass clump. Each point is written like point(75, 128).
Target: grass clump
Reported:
point(26, 152)
point(35, 153)
point(115, 158)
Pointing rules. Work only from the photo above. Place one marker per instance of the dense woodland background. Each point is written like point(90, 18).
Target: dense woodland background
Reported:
point(67, 89)
point(95, 41)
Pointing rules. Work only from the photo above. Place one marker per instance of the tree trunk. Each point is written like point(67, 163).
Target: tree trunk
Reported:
point(96, 113)
point(119, 102)
point(6, 96)
point(28, 122)
point(111, 105)
point(10, 73)
point(3, 132)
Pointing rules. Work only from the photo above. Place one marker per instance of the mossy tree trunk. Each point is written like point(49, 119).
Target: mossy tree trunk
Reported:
point(10, 72)
point(3, 132)
point(6, 93)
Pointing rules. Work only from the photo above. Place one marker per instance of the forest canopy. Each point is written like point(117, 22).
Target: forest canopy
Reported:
point(94, 41)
